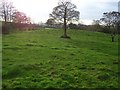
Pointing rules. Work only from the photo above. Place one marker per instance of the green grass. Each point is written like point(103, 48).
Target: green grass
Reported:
point(41, 59)
point(0, 61)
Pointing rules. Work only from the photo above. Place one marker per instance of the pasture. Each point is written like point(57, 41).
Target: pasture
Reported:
point(41, 59)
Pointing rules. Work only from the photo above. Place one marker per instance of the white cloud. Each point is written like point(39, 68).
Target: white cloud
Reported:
point(86, 21)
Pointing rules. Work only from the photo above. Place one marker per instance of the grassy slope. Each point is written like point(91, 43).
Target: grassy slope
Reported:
point(41, 59)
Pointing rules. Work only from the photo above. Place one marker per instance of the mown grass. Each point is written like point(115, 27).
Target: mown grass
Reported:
point(41, 59)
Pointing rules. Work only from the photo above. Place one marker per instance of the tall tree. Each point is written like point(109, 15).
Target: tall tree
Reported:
point(6, 10)
point(65, 12)
point(112, 21)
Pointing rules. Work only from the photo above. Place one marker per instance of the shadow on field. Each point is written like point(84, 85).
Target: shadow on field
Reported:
point(20, 70)
point(13, 73)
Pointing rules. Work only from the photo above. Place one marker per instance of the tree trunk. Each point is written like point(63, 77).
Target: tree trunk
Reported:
point(65, 26)
point(5, 19)
point(113, 38)
point(5, 16)
point(5, 29)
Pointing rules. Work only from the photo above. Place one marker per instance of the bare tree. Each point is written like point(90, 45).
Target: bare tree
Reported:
point(65, 12)
point(6, 10)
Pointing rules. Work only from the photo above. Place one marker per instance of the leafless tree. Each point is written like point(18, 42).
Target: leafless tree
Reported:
point(65, 12)
point(6, 10)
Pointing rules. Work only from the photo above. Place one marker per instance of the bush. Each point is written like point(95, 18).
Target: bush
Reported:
point(5, 29)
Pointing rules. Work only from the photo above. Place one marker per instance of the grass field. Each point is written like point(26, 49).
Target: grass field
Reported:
point(41, 59)
point(0, 61)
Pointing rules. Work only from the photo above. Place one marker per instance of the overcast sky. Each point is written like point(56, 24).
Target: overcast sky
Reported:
point(39, 10)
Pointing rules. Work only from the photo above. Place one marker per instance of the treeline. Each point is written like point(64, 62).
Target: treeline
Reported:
point(93, 27)
point(8, 27)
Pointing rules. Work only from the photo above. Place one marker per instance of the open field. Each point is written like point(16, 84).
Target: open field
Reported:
point(41, 59)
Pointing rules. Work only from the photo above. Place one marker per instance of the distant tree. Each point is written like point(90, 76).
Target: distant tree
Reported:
point(96, 22)
point(65, 12)
point(112, 21)
point(20, 17)
point(73, 26)
point(96, 25)
point(6, 10)
point(50, 22)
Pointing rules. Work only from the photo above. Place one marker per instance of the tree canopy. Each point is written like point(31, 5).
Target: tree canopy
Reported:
point(20, 17)
point(50, 22)
point(112, 21)
point(111, 18)
point(65, 12)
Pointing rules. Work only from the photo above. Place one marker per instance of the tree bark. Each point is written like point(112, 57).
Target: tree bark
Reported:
point(65, 24)
point(5, 17)
point(112, 38)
